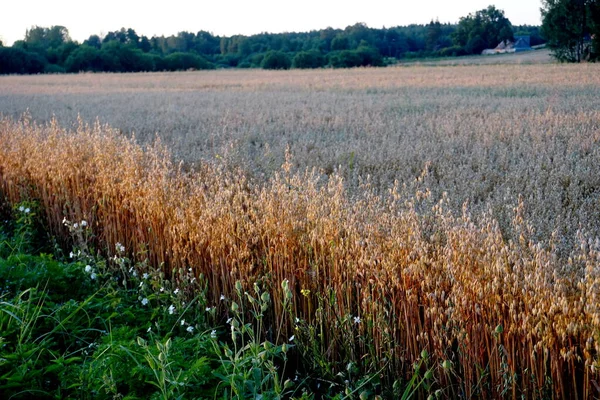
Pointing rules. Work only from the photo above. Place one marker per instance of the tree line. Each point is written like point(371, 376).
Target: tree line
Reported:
point(572, 28)
point(51, 50)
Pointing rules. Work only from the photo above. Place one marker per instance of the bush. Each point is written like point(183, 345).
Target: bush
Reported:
point(19, 61)
point(345, 59)
point(308, 59)
point(54, 69)
point(84, 58)
point(184, 61)
point(453, 51)
point(276, 60)
point(119, 57)
point(370, 56)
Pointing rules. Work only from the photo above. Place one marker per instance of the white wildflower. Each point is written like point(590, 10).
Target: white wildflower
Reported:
point(357, 320)
point(21, 208)
point(71, 255)
point(208, 309)
point(162, 289)
point(171, 309)
point(149, 329)
point(88, 268)
point(183, 322)
point(145, 276)
point(120, 248)
point(93, 276)
point(222, 297)
point(190, 329)
point(84, 223)
point(213, 334)
point(176, 291)
point(75, 225)
point(27, 210)
point(292, 338)
point(228, 320)
point(144, 301)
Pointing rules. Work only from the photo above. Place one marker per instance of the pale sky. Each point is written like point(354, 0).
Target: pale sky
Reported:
point(229, 17)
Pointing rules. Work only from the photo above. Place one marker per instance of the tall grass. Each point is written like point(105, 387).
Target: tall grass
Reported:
point(375, 279)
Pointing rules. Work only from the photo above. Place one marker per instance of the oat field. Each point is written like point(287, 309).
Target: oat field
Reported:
point(453, 209)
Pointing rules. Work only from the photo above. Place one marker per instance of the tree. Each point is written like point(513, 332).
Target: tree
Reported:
point(47, 37)
point(340, 42)
point(484, 29)
point(93, 41)
point(308, 59)
point(434, 34)
point(84, 58)
point(14, 60)
point(276, 60)
point(183, 61)
point(345, 59)
point(569, 26)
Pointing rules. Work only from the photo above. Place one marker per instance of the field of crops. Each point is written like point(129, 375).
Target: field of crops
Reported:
point(450, 209)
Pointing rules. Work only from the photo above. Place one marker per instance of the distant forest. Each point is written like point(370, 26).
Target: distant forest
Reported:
point(51, 50)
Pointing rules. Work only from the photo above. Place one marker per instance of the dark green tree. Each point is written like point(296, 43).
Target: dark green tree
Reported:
point(19, 61)
point(569, 26)
point(484, 29)
point(308, 59)
point(84, 58)
point(434, 35)
point(345, 59)
point(340, 42)
point(276, 60)
point(93, 41)
point(184, 61)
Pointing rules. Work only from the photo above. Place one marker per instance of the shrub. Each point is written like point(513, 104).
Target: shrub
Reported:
point(308, 59)
point(185, 61)
point(276, 60)
point(345, 59)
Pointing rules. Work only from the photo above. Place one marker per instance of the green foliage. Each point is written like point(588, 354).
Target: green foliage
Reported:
point(308, 59)
point(276, 60)
point(120, 57)
point(569, 26)
point(14, 60)
point(340, 43)
point(51, 50)
point(52, 37)
point(252, 366)
point(484, 29)
point(361, 57)
point(185, 61)
point(453, 51)
point(345, 59)
point(84, 58)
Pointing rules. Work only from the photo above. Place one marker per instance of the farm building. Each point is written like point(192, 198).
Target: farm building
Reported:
point(521, 43)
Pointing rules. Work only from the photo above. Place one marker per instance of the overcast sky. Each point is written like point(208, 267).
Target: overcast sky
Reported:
point(229, 17)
